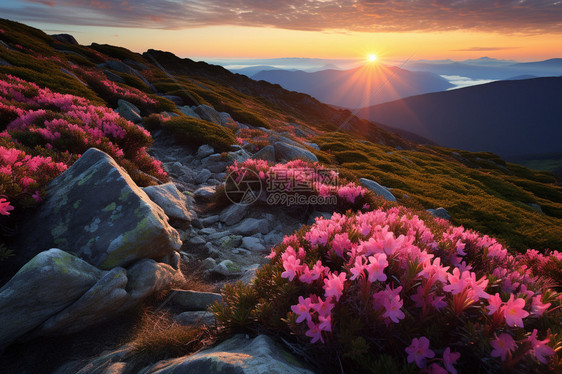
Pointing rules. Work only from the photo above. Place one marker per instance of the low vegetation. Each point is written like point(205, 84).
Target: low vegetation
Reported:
point(384, 291)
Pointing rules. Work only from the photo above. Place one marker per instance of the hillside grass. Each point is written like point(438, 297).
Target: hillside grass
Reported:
point(485, 196)
point(480, 190)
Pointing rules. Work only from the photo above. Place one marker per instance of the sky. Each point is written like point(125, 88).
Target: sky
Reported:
point(524, 30)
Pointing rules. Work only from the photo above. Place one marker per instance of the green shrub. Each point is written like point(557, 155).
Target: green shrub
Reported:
point(197, 132)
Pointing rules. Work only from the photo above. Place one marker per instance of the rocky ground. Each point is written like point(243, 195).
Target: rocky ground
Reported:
point(85, 300)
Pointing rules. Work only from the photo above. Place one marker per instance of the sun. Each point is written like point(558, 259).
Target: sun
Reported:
point(371, 57)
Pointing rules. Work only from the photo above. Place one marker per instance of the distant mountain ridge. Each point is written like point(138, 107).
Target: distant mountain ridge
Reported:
point(486, 68)
point(357, 87)
point(510, 118)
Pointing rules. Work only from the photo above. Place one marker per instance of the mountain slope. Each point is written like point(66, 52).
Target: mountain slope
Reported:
point(480, 190)
point(511, 118)
point(367, 85)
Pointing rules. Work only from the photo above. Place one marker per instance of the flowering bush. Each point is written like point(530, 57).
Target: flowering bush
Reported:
point(111, 91)
point(302, 178)
point(258, 138)
point(386, 290)
point(47, 131)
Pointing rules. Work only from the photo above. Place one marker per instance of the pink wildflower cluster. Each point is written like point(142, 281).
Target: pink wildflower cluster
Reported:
point(388, 270)
point(301, 177)
point(24, 176)
point(111, 91)
point(62, 126)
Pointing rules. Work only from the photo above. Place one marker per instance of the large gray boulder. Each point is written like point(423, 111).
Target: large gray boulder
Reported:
point(95, 211)
point(237, 355)
point(117, 291)
point(209, 114)
point(377, 189)
point(177, 206)
point(97, 304)
point(47, 284)
point(288, 152)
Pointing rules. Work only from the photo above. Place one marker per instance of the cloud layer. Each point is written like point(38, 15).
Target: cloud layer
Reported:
point(513, 16)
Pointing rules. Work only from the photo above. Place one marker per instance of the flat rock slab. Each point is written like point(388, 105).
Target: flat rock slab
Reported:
point(237, 355)
point(95, 211)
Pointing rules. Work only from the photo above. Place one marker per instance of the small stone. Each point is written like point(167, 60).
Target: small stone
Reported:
point(440, 213)
point(377, 189)
point(218, 235)
point(193, 300)
point(208, 230)
point(240, 251)
point(253, 244)
point(251, 226)
point(195, 318)
point(204, 151)
point(233, 214)
point(210, 220)
point(208, 263)
point(227, 268)
point(205, 193)
point(129, 111)
point(197, 240)
point(203, 176)
point(230, 241)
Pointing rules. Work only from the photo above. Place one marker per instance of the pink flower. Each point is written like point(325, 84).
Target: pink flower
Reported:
point(449, 359)
point(494, 304)
point(314, 332)
point(302, 309)
point(37, 196)
point(537, 307)
point(333, 285)
point(310, 275)
point(392, 307)
point(325, 323)
point(5, 207)
point(341, 243)
point(376, 266)
point(503, 346)
point(419, 350)
point(539, 348)
point(324, 308)
point(513, 312)
point(291, 266)
point(357, 269)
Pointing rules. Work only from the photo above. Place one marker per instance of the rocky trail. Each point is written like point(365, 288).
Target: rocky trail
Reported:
point(214, 243)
